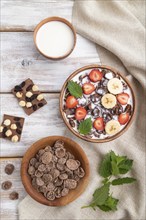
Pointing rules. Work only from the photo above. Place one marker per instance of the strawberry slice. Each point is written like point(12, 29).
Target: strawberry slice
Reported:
point(123, 98)
point(71, 102)
point(95, 75)
point(123, 118)
point(80, 113)
point(99, 124)
point(88, 88)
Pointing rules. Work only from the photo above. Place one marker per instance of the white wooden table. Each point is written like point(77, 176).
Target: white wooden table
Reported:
point(20, 60)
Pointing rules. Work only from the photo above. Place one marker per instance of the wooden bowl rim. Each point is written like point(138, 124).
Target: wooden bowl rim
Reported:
point(55, 18)
point(25, 176)
point(69, 126)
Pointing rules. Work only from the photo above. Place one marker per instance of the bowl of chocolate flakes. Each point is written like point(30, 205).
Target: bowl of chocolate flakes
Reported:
point(55, 171)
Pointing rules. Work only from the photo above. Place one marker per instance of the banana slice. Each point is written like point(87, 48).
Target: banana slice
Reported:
point(112, 127)
point(115, 86)
point(109, 100)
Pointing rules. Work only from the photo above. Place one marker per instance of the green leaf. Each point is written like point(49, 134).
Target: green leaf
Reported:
point(75, 89)
point(118, 159)
point(115, 169)
point(100, 195)
point(125, 166)
point(104, 208)
point(109, 205)
point(85, 126)
point(105, 167)
point(121, 181)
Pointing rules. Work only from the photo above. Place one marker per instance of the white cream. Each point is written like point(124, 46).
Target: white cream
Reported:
point(55, 39)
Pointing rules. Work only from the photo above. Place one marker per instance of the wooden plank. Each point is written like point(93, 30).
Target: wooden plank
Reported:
point(44, 122)
point(20, 60)
point(24, 15)
point(9, 207)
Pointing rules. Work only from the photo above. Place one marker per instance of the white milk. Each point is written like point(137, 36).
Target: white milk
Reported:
point(55, 39)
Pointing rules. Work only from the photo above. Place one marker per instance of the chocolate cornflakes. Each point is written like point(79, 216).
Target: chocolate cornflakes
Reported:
point(55, 171)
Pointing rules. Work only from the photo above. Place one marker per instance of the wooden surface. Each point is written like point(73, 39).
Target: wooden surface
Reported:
point(20, 60)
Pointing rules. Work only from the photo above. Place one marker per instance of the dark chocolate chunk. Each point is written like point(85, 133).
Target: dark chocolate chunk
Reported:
point(22, 84)
point(6, 185)
point(29, 87)
point(17, 88)
point(18, 131)
point(4, 131)
point(14, 196)
point(34, 96)
point(34, 107)
point(9, 169)
point(18, 125)
point(17, 119)
point(41, 104)
point(27, 99)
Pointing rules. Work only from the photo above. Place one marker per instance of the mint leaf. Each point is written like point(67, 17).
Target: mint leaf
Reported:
point(125, 166)
point(75, 89)
point(85, 126)
point(105, 167)
point(115, 169)
point(109, 205)
point(121, 181)
point(104, 208)
point(100, 195)
point(117, 158)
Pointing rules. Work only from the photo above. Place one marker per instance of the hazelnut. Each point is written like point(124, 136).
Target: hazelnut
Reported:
point(28, 104)
point(40, 97)
point(7, 122)
point(1, 128)
point(19, 94)
point(29, 94)
point(8, 133)
point(22, 103)
point(35, 88)
point(13, 126)
point(14, 138)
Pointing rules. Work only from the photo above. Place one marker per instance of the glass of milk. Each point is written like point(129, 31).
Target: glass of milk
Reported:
point(55, 38)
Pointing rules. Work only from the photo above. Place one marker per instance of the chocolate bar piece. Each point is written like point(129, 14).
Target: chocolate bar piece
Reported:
point(11, 128)
point(29, 96)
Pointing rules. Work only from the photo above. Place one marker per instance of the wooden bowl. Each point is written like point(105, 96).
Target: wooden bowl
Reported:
point(55, 19)
point(113, 137)
point(70, 146)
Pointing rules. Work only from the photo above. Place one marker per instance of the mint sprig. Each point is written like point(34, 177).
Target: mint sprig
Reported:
point(75, 89)
point(85, 126)
point(111, 165)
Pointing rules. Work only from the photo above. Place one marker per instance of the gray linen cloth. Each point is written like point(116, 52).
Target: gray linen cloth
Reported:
point(117, 27)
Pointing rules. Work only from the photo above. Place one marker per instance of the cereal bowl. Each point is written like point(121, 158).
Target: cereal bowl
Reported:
point(46, 145)
point(97, 103)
